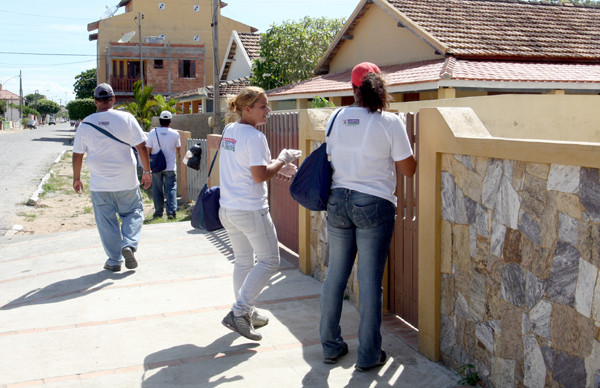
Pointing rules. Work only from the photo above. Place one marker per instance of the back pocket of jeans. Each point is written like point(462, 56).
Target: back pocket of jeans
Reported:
point(365, 217)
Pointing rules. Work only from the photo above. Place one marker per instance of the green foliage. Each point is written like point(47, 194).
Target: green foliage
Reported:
point(289, 52)
point(145, 105)
point(47, 107)
point(469, 375)
point(163, 104)
point(30, 99)
point(81, 108)
point(142, 105)
point(85, 83)
point(29, 110)
point(321, 102)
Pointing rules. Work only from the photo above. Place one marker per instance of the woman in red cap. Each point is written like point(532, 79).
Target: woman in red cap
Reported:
point(368, 147)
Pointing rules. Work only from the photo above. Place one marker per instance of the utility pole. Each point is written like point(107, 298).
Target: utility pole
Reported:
point(139, 19)
point(217, 92)
point(20, 96)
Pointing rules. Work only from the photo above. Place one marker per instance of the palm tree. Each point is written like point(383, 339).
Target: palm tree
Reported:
point(163, 104)
point(145, 105)
point(142, 105)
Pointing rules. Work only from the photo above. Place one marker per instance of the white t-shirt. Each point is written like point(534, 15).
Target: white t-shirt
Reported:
point(363, 148)
point(169, 140)
point(242, 146)
point(112, 164)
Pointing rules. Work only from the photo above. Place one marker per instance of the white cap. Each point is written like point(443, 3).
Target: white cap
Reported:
point(165, 114)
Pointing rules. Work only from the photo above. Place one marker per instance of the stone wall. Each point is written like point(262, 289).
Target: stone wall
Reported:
point(520, 258)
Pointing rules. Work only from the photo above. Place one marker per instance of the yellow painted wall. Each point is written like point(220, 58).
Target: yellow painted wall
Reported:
point(378, 39)
point(177, 21)
point(550, 117)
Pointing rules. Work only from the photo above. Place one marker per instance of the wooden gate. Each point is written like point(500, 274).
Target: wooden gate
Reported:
point(403, 266)
point(281, 131)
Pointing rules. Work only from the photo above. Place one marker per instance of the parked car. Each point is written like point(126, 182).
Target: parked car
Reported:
point(51, 121)
point(32, 124)
point(73, 123)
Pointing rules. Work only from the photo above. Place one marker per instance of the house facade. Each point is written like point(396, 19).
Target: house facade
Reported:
point(445, 49)
point(168, 44)
point(236, 69)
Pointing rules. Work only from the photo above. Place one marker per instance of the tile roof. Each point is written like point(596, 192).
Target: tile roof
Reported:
point(8, 95)
point(491, 29)
point(451, 70)
point(251, 43)
point(227, 88)
point(509, 29)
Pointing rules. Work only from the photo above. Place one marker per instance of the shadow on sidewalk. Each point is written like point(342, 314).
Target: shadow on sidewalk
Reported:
point(191, 365)
point(67, 289)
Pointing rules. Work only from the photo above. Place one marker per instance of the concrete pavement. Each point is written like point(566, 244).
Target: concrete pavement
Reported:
point(66, 322)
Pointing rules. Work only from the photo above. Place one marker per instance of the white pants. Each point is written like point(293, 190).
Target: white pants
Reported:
point(250, 233)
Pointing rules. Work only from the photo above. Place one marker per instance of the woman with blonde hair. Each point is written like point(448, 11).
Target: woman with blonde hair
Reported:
point(245, 165)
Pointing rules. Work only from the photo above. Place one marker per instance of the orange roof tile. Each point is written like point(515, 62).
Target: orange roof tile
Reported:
point(449, 70)
point(509, 29)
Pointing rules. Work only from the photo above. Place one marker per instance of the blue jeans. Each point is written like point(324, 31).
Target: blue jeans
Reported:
point(250, 233)
point(128, 205)
point(164, 182)
point(364, 224)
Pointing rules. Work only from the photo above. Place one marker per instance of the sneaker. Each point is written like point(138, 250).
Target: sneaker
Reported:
point(382, 360)
point(156, 215)
point(130, 261)
point(335, 359)
point(114, 268)
point(259, 320)
point(242, 325)
point(170, 216)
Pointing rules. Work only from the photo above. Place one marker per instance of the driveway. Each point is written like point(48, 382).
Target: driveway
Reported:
point(25, 157)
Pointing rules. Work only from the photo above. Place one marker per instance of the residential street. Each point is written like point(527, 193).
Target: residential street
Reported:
point(25, 157)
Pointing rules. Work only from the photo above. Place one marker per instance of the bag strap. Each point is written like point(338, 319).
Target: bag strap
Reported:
point(156, 133)
point(216, 153)
point(331, 125)
point(104, 131)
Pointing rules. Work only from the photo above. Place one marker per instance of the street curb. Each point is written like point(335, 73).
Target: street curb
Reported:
point(35, 197)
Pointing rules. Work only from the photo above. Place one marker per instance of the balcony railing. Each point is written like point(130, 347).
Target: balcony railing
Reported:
point(122, 84)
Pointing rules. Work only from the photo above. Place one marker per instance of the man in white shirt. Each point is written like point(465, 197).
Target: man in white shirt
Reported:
point(107, 137)
point(164, 183)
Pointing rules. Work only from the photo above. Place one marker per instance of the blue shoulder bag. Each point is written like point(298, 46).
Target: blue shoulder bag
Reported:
point(312, 183)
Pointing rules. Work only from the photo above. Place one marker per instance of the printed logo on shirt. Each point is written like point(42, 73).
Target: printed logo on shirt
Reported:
point(228, 144)
point(104, 122)
point(352, 122)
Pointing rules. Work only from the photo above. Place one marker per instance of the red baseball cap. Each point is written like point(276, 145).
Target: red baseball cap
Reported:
point(361, 70)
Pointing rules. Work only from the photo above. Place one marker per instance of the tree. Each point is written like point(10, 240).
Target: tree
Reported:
point(30, 99)
point(81, 108)
point(47, 107)
point(85, 83)
point(145, 105)
point(289, 52)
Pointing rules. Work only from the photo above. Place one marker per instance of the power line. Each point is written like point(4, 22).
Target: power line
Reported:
point(50, 54)
point(26, 65)
point(41, 16)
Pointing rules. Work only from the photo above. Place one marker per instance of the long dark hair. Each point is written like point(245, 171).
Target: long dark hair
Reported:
point(372, 94)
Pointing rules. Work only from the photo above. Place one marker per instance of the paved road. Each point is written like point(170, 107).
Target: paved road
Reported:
point(25, 157)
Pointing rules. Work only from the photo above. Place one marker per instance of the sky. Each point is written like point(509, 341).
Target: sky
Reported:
point(47, 41)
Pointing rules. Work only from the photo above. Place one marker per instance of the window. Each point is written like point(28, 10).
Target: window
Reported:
point(187, 69)
point(158, 63)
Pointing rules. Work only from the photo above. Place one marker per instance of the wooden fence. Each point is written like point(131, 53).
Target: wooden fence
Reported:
point(197, 178)
point(281, 131)
point(403, 265)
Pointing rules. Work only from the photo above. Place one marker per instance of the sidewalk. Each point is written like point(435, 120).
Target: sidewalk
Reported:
point(66, 322)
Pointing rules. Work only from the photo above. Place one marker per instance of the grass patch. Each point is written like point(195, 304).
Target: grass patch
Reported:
point(28, 216)
point(184, 210)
